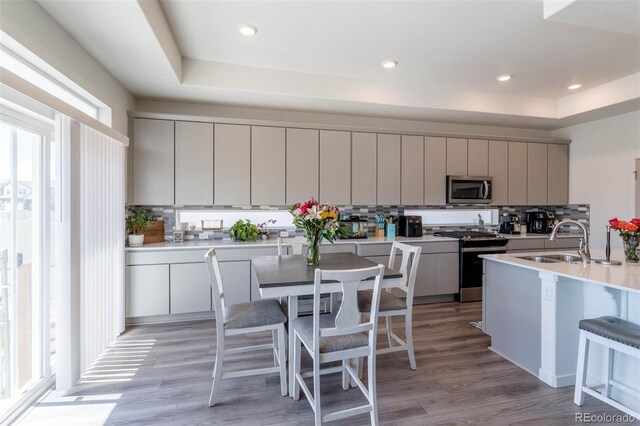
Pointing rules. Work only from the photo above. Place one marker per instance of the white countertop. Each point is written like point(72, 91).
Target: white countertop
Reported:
point(539, 236)
point(624, 277)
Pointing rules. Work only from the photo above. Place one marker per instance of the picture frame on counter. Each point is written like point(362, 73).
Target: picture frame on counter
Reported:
point(178, 237)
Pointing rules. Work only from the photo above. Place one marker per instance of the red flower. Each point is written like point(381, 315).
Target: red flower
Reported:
point(632, 227)
point(614, 223)
point(304, 207)
point(635, 221)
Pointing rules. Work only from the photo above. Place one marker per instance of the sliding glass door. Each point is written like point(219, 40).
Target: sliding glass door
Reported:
point(26, 273)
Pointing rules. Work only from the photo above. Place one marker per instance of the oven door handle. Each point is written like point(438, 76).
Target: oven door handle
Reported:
point(485, 250)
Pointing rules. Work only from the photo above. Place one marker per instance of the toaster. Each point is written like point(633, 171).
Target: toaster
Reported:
point(410, 226)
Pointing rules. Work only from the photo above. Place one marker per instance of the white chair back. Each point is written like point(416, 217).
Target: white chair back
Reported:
point(408, 266)
point(296, 244)
point(347, 320)
point(215, 279)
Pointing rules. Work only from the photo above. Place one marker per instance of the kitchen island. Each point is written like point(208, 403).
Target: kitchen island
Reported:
point(531, 311)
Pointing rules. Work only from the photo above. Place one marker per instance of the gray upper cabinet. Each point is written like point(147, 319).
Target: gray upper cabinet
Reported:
point(478, 157)
point(456, 157)
point(363, 168)
point(558, 174)
point(412, 191)
point(194, 163)
point(435, 170)
point(388, 169)
point(232, 164)
point(153, 162)
point(517, 184)
point(335, 167)
point(302, 165)
point(536, 174)
point(267, 165)
point(499, 171)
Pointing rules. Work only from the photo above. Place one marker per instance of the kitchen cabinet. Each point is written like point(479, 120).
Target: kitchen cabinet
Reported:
point(190, 288)
point(517, 180)
point(536, 174)
point(447, 273)
point(499, 171)
point(302, 165)
point(193, 163)
point(435, 170)
point(268, 165)
point(236, 281)
point(364, 172)
point(456, 157)
point(388, 190)
point(478, 157)
point(147, 290)
point(412, 170)
point(335, 167)
point(558, 174)
point(153, 162)
point(232, 182)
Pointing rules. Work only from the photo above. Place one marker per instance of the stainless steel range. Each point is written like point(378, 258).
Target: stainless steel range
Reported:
point(472, 244)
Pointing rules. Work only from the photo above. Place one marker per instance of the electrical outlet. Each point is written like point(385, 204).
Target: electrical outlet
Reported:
point(204, 235)
point(548, 293)
point(284, 234)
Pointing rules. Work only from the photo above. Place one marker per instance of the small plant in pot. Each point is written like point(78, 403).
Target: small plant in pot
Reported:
point(244, 230)
point(263, 227)
point(137, 223)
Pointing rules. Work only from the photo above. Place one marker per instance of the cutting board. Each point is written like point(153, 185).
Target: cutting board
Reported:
point(155, 232)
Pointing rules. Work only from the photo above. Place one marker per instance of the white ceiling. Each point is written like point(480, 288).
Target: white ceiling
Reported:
point(325, 55)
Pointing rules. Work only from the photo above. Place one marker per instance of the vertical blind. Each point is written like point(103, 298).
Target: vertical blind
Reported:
point(101, 237)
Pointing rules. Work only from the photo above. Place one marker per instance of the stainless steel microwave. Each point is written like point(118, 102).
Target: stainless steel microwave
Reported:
point(468, 189)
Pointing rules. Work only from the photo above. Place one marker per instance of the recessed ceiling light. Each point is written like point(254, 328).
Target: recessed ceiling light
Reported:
point(575, 86)
point(504, 77)
point(389, 64)
point(248, 30)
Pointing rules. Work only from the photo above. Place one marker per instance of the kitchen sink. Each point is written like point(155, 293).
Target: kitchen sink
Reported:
point(551, 258)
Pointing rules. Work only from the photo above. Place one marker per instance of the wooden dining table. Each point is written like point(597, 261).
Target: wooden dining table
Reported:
point(290, 276)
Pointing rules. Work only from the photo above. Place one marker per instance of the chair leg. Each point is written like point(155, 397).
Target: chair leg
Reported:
point(371, 384)
point(283, 360)
point(296, 362)
point(608, 364)
point(389, 323)
point(345, 374)
point(409, 339)
point(581, 371)
point(274, 337)
point(316, 391)
point(217, 369)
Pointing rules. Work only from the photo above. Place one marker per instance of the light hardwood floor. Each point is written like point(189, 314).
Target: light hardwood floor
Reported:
point(161, 374)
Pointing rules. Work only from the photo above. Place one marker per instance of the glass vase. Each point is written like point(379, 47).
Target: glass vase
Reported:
point(630, 245)
point(313, 250)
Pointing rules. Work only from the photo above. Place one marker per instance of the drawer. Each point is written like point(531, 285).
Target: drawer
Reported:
point(376, 249)
point(562, 243)
point(437, 247)
point(164, 257)
point(533, 244)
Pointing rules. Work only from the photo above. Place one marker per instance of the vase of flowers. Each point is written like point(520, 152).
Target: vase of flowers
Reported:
point(630, 233)
point(319, 221)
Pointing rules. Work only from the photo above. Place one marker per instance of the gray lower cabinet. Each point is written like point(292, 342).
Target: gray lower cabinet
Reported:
point(147, 290)
point(190, 288)
point(437, 274)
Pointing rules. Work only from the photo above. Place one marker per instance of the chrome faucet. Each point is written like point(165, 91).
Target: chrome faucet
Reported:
point(583, 250)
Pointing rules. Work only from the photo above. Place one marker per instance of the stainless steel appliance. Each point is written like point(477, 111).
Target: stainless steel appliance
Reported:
point(356, 227)
point(469, 189)
point(540, 222)
point(472, 244)
point(410, 226)
point(509, 224)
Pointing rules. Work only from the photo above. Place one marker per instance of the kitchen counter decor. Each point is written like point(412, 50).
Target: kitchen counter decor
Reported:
point(319, 221)
point(630, 233)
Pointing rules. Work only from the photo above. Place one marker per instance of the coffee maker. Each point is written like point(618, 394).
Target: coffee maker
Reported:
point(540, 222)
point(509, 224)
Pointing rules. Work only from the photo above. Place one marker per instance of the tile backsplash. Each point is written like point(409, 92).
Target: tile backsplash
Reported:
point(578, 212)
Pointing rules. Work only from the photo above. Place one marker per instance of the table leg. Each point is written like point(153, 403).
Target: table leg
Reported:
point(293, 314)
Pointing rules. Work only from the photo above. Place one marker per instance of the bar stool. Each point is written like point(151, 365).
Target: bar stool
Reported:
point(614, 334)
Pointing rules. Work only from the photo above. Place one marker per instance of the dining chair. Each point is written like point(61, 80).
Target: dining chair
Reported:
point(391, 305)
point(296, 244)
point(340, 336)
point(243, 318)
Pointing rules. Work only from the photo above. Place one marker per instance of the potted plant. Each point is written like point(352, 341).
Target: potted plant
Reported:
point(137, 223)
point(244, 231)
point(263, 227)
